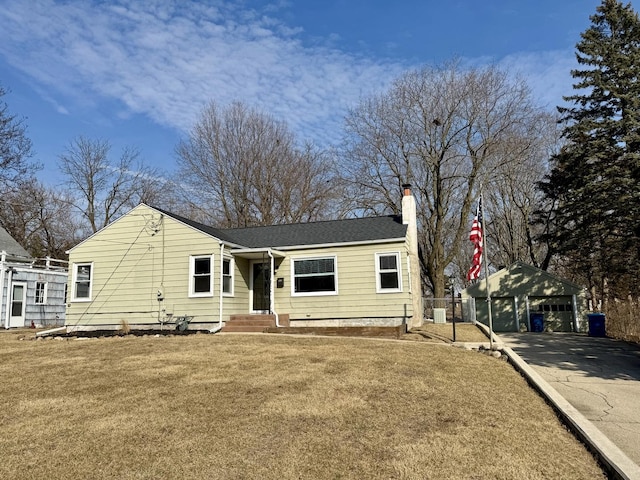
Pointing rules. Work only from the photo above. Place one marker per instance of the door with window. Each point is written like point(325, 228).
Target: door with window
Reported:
point(260, 286)
point(17, 304)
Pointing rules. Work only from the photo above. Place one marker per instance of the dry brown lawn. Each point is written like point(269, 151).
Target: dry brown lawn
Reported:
point(272, 407)
point(465, 332)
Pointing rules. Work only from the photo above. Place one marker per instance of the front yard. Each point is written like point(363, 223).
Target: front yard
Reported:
point(272, 407)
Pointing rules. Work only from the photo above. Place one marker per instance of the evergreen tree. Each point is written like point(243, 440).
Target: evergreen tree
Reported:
point(595, 181)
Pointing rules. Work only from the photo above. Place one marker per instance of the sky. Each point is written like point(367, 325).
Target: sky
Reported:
point(137, 73)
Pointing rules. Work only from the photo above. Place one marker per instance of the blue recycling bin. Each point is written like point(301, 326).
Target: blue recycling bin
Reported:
point(597, 326)
point(537, 322)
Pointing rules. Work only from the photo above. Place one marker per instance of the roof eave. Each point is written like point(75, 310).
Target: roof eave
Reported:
point(256, 253)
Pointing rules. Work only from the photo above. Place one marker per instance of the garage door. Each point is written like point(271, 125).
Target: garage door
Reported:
point(503, 313)
point(557, 312)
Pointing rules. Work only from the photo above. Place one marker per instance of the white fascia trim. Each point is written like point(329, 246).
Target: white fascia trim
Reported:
point(265, 250)
point(224, 242)
point(68, 252)
point(229, 244)
point(342, 244)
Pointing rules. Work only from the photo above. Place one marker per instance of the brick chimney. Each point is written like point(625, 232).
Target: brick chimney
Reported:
point(409, 219)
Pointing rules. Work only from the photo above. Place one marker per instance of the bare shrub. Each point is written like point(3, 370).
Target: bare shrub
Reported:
point(623, 320)
point(125, 328)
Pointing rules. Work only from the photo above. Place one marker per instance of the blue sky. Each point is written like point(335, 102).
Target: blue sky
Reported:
point(138, 72)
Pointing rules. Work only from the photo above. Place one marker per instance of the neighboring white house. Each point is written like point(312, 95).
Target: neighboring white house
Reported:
point(32, 291)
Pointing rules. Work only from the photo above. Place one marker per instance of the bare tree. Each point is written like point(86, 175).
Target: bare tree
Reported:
point(103, 188)
point(244, 168)
point(15, 149)
point(513, 197)
point(40, 218)
point(443, 130)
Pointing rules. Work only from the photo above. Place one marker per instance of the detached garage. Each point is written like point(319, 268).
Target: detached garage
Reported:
point(521, 291)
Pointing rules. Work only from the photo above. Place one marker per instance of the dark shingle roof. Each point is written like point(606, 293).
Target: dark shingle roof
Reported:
point(10, 245)
point(318, 233)
point(214, 232)
point(306, 234)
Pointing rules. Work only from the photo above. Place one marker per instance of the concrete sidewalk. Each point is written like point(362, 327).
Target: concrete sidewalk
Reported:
point(600, 377)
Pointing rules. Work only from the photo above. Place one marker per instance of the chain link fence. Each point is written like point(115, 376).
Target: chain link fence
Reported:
point(442, 310)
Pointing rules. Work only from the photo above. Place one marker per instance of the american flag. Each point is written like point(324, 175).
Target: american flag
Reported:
point(476, 237)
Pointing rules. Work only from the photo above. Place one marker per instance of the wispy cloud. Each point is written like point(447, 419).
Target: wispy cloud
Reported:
point(166, 59)
point(547, 73)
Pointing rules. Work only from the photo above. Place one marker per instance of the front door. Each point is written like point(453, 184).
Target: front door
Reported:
point(17, 304)
point(260, 286)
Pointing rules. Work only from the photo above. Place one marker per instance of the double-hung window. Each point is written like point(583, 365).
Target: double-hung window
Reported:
point(41, 293)
point(82, 280)
point(388, 278)
point(227, 276)
point(314, 276)
point(201, 276)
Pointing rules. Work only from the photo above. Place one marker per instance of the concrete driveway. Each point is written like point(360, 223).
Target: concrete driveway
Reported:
point(600, 377)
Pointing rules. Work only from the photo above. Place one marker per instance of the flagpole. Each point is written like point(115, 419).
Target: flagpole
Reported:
point(480, 254)
point(485, 252)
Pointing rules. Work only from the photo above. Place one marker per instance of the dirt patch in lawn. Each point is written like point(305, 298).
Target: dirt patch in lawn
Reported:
point(272, 407)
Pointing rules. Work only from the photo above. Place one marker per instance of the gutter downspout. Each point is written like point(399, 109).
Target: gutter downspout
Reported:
point(3, 258)
point(8, 310)
point(272, 301)
point(218, 327)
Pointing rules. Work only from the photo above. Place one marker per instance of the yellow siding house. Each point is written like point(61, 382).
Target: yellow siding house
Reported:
point(152, 269)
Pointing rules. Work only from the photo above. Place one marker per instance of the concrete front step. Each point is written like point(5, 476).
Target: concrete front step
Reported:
point(258, 322)
point(231, 328)
point(252, 323)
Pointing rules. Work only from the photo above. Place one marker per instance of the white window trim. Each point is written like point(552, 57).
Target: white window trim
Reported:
point(192, 263)
point(75, 278)
point(313, 294)
point(232, 266)
point(44, 293)
point(379, 288)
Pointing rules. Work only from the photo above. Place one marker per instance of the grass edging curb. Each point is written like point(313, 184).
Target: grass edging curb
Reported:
point(616, 463)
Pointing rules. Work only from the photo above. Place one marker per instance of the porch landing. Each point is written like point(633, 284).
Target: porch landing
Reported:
point(258, 323)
